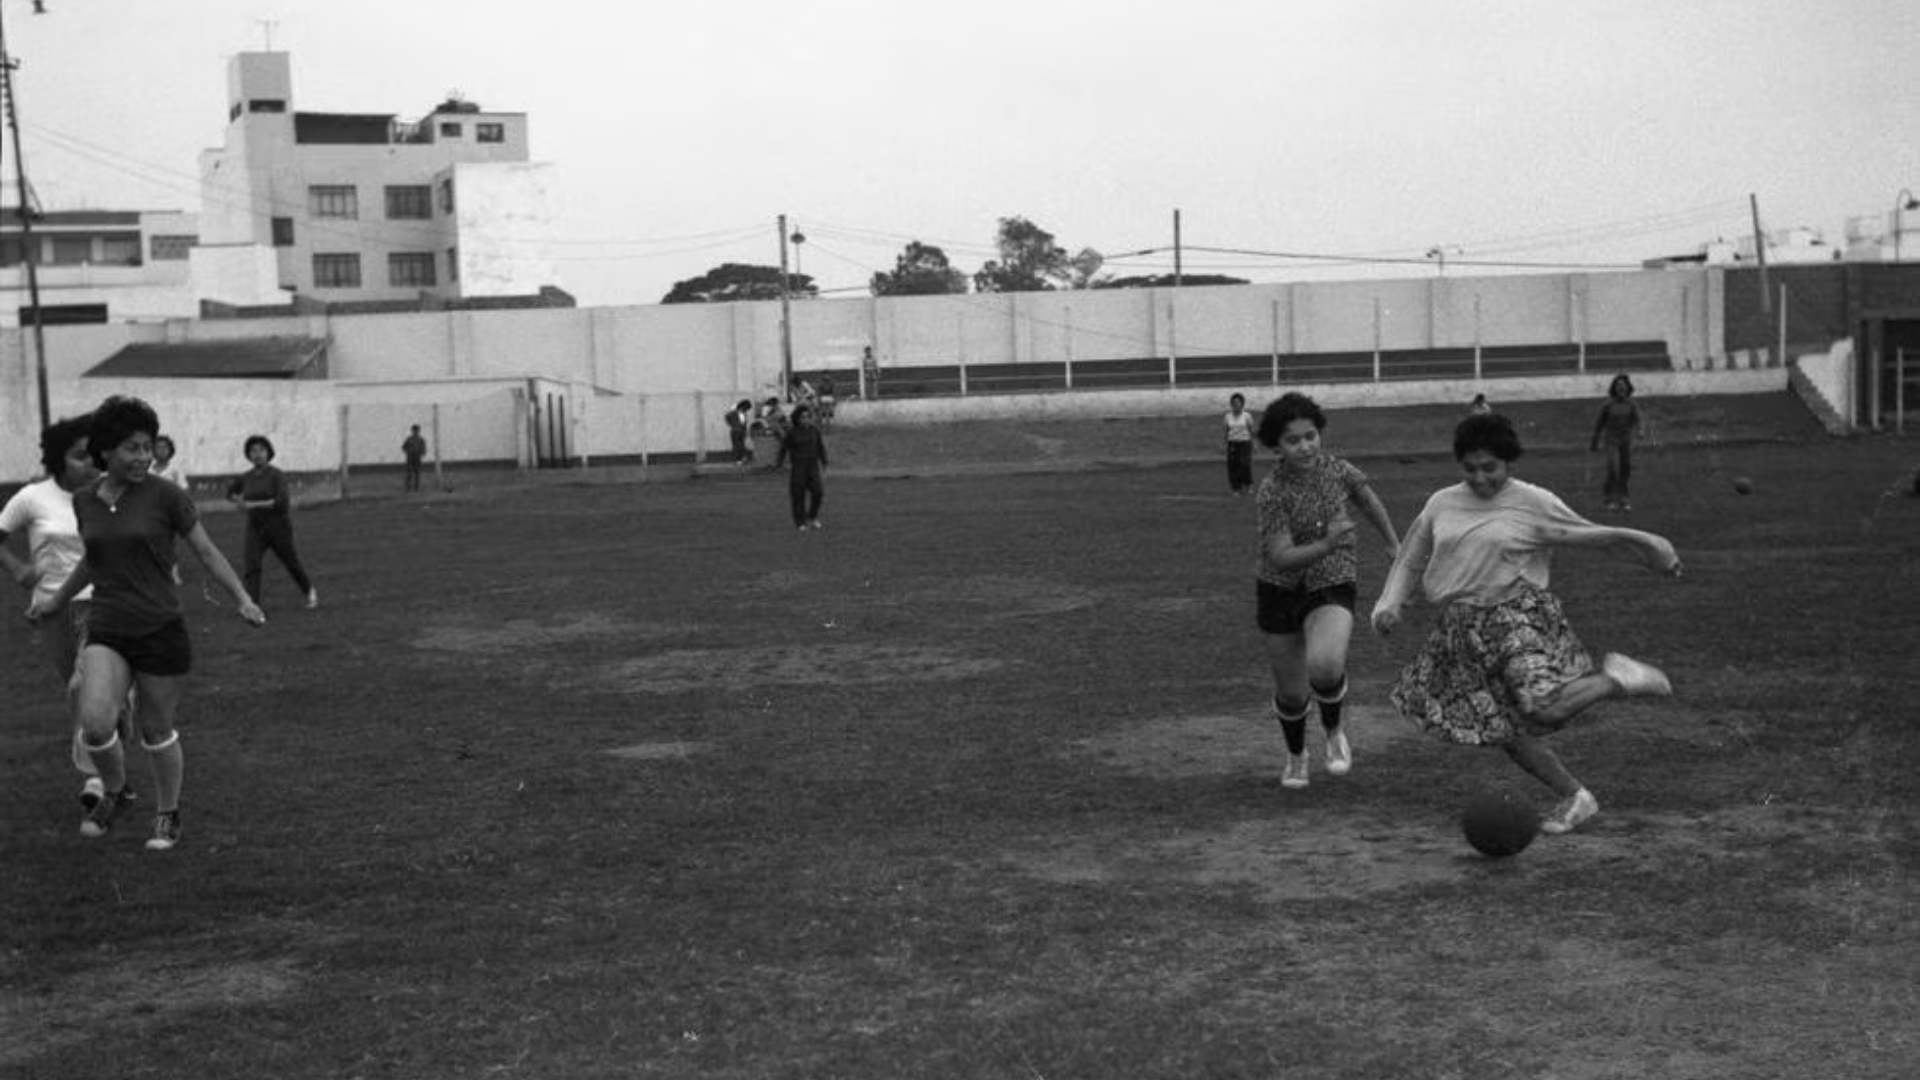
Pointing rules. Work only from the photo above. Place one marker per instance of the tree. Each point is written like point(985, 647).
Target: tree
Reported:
point(1165, 281)
point(1086, 266)
point(921, 270)
point(739, 281)
point(1029, 260)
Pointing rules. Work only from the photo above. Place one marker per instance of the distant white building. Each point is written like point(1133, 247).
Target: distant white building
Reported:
point(1796, 245)
point(352, 207)
point(1889, 237)
point(98, 266)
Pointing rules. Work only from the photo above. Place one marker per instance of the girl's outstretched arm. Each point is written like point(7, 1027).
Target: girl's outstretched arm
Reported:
point(1404, 578)
point(1656, 552)
point(222, 571)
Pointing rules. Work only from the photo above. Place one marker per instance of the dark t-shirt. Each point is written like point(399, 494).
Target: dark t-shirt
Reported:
point(130, 553)
point(259, 484)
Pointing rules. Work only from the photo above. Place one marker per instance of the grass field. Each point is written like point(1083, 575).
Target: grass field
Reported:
point(631, 780)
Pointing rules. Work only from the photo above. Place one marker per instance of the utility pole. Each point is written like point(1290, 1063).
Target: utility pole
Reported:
point(26, 221)
point(1176, 248)
point(786, 315)
point(1760, 253)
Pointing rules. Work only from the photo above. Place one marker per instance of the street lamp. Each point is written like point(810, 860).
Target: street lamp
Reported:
point(1902, 203)
point(7, 100)
point(1439, 252)
point(798, 238)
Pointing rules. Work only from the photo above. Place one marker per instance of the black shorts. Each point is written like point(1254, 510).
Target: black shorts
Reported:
point(1284, 611)
point(166, 651)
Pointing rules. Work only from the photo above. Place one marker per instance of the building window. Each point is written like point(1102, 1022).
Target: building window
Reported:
point(72, 250)
point(453, 264)
point(283, 232)
point(409, 201)
point(489, 133)
point(446, 196)
point(10, 250)
point(266, 105)
point(333, 201)
point(234, 112)
point(409, 269)
point(169, 248)
point(450, 130)
point(120, 251)
point(336, 271)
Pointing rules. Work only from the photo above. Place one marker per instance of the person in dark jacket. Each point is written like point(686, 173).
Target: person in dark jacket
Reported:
point(263, 493)
point(806, 448)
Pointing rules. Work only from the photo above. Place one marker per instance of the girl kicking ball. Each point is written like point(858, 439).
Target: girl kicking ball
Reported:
point(1502, 666)
point(1306, 576)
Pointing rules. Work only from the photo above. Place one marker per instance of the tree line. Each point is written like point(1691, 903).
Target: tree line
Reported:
point(1029, 259)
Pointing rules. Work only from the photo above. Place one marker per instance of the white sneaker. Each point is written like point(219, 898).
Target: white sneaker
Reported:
point(91, 793)
point(1339, 754)
point(1636, 678)
point(1568, 813)
point(1296, 772)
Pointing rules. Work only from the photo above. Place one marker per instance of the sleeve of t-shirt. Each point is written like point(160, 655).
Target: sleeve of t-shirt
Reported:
point(182, 514)
point(13, 516)
point(1352, 477)
point(1546, 516)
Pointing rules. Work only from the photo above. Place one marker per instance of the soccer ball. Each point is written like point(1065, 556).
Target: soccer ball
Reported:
point(1499, 823)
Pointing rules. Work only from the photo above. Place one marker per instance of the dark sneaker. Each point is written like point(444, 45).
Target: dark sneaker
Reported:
point(166, 831)
point(100, 819)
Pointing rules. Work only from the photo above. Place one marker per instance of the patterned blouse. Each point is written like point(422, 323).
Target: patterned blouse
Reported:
point(1300, 502)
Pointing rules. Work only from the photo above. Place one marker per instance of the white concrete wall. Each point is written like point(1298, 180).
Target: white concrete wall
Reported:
point(668, 354)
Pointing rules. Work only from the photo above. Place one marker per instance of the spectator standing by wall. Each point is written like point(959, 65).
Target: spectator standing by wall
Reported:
point(1240, 424)
point(1614, 430)
point(414, 449)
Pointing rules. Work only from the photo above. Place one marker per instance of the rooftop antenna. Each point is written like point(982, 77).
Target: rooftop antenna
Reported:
point(266, 30)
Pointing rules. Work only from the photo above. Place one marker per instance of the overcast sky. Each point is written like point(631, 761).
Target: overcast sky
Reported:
point(1578, 132)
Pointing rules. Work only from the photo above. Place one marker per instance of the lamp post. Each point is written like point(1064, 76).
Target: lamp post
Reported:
point(7, 64)
point(1902, 203)
point(1439, 253)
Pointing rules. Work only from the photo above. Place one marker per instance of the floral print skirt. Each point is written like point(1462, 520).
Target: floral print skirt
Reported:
point(1482, 667)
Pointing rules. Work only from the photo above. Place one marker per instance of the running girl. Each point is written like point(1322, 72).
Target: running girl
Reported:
point(1306, 576)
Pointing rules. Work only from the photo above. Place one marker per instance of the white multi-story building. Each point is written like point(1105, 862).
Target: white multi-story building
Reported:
point(352, 206)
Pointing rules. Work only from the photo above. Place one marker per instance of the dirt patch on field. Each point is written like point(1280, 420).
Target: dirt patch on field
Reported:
point(740, 670)
point(145, 990)
point(471, 635)
point(659, 751)
point(1185, 746)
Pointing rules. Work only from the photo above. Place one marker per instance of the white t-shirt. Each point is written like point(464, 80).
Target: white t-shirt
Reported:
point(1483, 551)
point(1240, 426)
point(44, 511)
point(173, 472)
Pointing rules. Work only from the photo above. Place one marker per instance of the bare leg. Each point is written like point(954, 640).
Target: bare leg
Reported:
point(1541, 763)
point(1573, 699)
point(159, 700)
